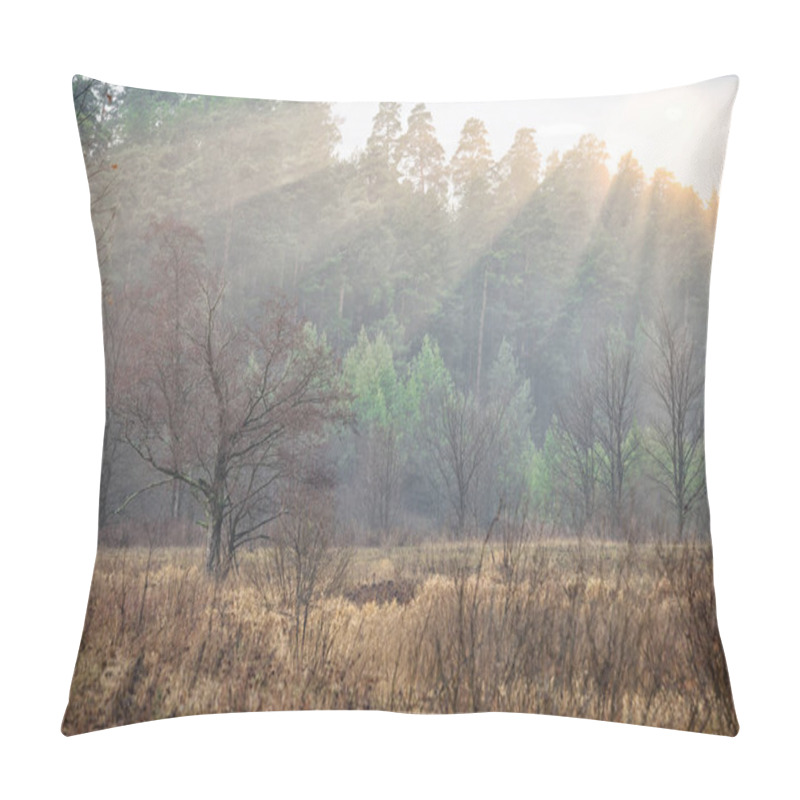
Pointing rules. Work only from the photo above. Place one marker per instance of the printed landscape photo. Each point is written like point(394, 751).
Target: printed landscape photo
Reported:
point(404, 407)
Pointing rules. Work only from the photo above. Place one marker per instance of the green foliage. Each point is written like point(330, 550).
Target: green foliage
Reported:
point(478, 287)
point(472, 165)
point(421, 156)
point(379, 396)
point(428, 376)
point(519, 170)
point(379, 162)
point(542, 478)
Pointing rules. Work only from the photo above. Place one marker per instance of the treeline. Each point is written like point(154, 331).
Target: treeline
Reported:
point(525, 328)
point(627, 440)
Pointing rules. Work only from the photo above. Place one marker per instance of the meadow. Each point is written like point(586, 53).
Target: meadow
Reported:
point(620, 631)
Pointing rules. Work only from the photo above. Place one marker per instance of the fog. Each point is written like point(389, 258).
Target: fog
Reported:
point(424, 315)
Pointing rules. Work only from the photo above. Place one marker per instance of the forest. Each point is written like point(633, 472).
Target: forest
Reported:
point(346, 378)
point(524, 329)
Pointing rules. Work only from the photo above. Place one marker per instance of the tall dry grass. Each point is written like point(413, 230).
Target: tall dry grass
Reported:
point(519, 622)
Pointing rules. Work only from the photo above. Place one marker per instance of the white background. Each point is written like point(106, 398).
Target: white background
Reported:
point(52, 387)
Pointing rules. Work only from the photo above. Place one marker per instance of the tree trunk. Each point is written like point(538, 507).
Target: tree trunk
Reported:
point(480, 335)
point(214, 543)
point(177, 494)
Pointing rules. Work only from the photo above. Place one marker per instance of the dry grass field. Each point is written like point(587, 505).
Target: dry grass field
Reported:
point(614, 631)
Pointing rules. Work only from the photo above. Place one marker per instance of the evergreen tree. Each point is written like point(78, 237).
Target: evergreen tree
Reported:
point(379, 163)
point(421, 159)
point(519, 171)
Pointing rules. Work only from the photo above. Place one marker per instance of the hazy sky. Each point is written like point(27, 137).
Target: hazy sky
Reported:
point(674, 128)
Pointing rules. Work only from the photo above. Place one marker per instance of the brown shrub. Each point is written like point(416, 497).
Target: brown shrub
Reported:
point(612, 631)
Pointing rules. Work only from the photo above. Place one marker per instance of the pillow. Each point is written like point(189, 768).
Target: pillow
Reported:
point(404, 407)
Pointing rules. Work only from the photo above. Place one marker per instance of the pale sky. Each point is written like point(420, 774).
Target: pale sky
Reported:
point(683, 129)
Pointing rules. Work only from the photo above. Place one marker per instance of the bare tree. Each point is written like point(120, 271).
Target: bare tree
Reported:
point(460, 435)
point(227, 410)
point(380, 451)
point(575, 436)
point(615, 402)
point(120, 309)
point(305, 563)
point(676, 449)
point(472, 450)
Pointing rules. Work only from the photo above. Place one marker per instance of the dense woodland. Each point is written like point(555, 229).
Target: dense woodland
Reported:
point(410, 344)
